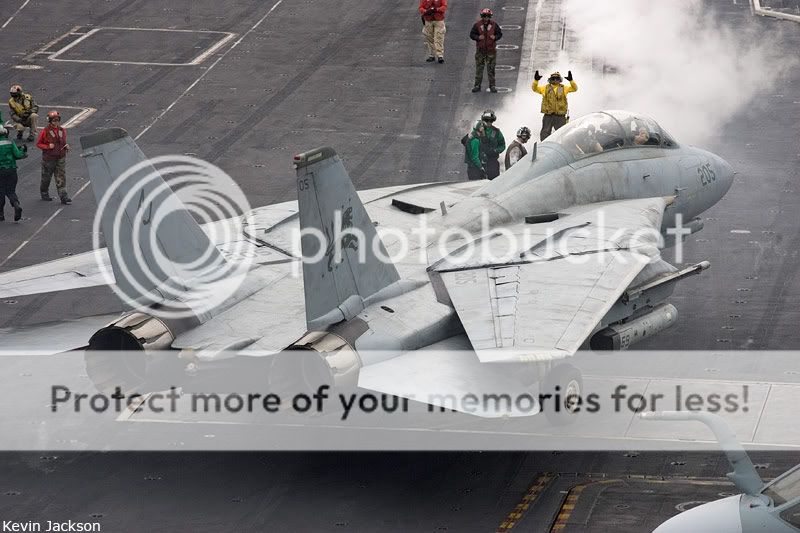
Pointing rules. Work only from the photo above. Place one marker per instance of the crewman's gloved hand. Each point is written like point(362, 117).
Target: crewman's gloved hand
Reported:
point(537, 76)
point(569, 75)
point(431, 11)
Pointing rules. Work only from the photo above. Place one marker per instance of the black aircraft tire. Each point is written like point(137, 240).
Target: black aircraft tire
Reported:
point(569, 381)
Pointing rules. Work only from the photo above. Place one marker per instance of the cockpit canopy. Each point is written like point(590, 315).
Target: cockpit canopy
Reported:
point(785, 495)
point(609, 130)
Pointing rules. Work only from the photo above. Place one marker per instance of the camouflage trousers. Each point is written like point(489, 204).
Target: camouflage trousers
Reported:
point(49, 168)
point(484, 58)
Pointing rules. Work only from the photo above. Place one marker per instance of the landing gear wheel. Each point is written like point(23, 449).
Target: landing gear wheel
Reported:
point(565, 383)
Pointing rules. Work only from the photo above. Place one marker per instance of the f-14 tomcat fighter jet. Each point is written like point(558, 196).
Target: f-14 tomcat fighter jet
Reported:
point(565, 230)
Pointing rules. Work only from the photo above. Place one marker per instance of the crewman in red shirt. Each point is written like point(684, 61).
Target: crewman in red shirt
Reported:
point(53, 144)
point(433, 28)
point(485, 33)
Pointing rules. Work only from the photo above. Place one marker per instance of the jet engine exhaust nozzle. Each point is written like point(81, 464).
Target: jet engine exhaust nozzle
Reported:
point(318, 358)
point(128, 354)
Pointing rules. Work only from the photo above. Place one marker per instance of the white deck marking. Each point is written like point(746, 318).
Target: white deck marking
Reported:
point(43, 50)
point(83, 114)
point(15, 14)
point(209, 69)
point(159, 117)
point(226, 37)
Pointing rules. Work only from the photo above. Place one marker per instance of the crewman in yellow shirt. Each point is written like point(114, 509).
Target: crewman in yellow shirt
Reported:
point(554, 101)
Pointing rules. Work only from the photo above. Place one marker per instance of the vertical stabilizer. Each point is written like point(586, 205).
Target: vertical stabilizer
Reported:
point(153, 241)
point(344, 259)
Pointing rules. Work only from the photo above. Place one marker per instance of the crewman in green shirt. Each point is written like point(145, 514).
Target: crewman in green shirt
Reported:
point(9, 153)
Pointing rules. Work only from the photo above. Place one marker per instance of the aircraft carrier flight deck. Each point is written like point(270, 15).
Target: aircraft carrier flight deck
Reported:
point(246, 85)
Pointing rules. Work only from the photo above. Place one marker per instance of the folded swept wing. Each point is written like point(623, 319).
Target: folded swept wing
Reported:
point(543, 301)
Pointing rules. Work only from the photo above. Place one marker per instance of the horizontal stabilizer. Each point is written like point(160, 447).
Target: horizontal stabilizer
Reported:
point(74, 272)
point(52, 337)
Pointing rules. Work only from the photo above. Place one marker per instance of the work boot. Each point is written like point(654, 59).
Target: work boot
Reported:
point(31, 138)
point(66, 200)
point(430, 59)
point(492, 89)
point(17, 212)
point(440, 59)
point(476, 89)
point(46, 197)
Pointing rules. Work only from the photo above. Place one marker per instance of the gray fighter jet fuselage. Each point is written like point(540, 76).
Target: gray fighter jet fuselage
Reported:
point(357, 319)
point(558, 175)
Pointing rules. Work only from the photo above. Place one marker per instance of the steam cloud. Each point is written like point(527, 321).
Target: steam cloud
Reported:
point(674, 61)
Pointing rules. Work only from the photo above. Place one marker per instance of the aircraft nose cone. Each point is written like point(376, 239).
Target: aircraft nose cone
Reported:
point(726, 171)
point(720, 516)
